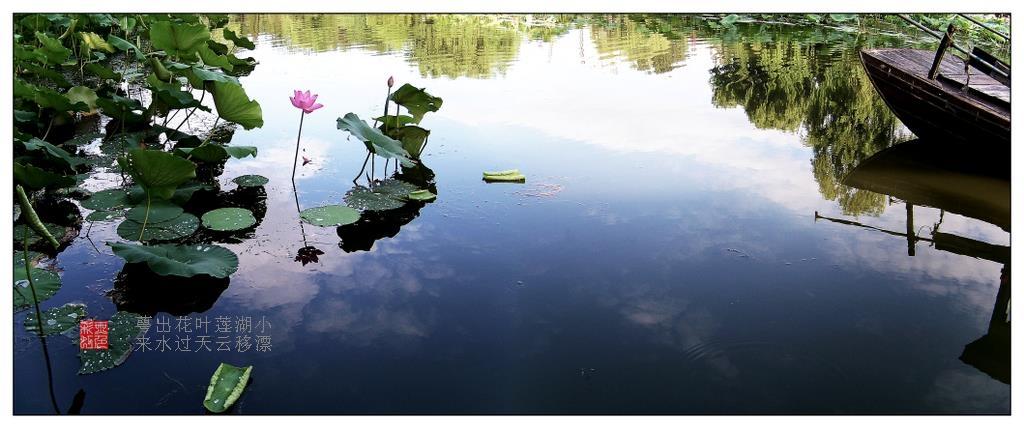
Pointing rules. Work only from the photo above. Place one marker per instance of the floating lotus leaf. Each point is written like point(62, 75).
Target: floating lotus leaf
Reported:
point(362, 198)
point(159, 211)
point(122, 331)
point(250, 181)
point(47, 284)
point(56, 231)
point(421, 195)
point(333, 215)
point(228, 219)
point(57, 320)
point(375, 141)
point(386, 195)
point(104, 215)
point(179, 227)
point(158, 172)
point(226, 386)
point(417, 100)
point(504, 176)
point(180, 260)
point(107, 199)
point(394, 188)
point(33, 259)
point(181, 195)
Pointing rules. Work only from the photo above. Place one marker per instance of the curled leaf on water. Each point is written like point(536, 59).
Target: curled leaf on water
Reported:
point(421, 195)
point(226, 386)
point(504, 176)
point(228, 219)
point(333, 215)
point(57, 320)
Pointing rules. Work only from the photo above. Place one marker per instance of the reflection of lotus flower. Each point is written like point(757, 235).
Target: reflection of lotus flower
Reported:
point(308, 254)
point(391, 81)
point(305, 101)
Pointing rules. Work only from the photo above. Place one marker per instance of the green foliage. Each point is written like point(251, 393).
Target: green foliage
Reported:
point(333, 215)
point(375, 141)
point(176, 228)
point(178, 39)
point(122, 331)
point(228, 219)
point(57, 320)
point(416, 100)
point(180, 260)
point(226, 387)
point(46, 282)
point(159, 173)
point(250, 181)
point(235, 106)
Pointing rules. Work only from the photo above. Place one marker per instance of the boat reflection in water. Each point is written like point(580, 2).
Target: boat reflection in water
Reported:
point(955, 179)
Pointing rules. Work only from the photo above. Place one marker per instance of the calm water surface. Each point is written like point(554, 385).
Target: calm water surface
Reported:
point(664, 255)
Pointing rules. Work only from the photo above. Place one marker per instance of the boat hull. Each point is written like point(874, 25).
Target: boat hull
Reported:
point(934, 108)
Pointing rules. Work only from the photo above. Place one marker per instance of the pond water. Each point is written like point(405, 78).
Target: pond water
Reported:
point(663, 256)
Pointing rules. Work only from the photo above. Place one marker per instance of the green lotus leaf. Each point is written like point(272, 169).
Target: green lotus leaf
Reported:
point(173, 229)
point(47, 284)
point(95, 42)
point(210, 152)
point(158, 211)
point(181, 195)
point(33, 177)
point(417, 100)
point(51, 49)
point(54, 153)
point(81, 94)
point(33, 258)
point(105, 215)
point(387, 195)
point(198, 76)
point(226, 386)
point(122, 331)
point(422, 195)
point(34, 238)
point(235, 106)
point(57, 320)
point(333, 215)
point(107, 199)
point(412, 138)
point(158, 172)
point(178, 39)
point(239, 152)
point(214, 59)
point(240, 41)
point(390, 121)
point(228, 219)
point(180, 260)
point(126, 46)
point(375, 141)
point(250, 181)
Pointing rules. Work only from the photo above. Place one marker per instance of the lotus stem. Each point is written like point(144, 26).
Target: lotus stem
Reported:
point(145, 219)
point(295, 162)
point(361, 170)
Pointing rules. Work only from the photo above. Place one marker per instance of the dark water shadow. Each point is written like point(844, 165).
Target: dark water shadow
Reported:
point(138, 290)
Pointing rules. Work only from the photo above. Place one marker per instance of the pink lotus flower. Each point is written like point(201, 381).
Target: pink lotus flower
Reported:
point(305, 101)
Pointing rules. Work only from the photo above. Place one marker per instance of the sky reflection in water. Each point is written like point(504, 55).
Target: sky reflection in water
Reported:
point(672, 265)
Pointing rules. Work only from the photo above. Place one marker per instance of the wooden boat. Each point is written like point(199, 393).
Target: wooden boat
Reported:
point(967, 107)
